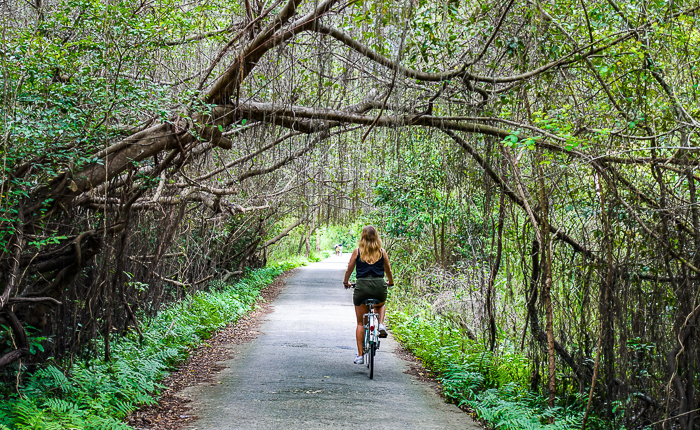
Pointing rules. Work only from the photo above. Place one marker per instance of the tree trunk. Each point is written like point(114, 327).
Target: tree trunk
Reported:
point(494, 272)
point(302, 239)
point(547, 294)
point(312, 228)
point(433, 229)
point(606, 295)
point(442, 245)
point(536, 256)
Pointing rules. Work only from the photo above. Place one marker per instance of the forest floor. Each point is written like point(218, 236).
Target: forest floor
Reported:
point(289, 365)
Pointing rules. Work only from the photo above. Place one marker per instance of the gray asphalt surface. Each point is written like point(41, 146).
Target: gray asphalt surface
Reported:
point(299, 374)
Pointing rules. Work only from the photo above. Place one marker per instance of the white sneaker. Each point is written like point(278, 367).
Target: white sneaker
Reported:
point(382, 331)
point(359, 359)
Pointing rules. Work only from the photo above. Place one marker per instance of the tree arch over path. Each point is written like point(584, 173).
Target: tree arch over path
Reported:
point(226, 117)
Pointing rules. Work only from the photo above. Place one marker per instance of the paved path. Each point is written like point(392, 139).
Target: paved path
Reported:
point(299, 374)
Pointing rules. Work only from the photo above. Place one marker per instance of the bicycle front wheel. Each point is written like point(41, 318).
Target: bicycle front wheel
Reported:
point(372, 351)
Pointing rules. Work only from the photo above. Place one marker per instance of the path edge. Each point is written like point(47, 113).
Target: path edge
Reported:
point(171, 412)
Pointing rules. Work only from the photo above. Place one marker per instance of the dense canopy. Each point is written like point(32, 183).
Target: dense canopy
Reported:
point(539, 159)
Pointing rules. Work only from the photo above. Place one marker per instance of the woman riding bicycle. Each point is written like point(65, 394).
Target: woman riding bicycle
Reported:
point(371, 262)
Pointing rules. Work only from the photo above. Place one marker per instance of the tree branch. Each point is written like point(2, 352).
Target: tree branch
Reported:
point(284, 233)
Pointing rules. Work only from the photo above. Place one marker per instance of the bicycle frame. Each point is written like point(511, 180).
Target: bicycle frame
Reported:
point(371, 343)
point(371, 322)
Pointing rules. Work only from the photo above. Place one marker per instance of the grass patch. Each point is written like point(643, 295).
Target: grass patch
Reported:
point(291, 262)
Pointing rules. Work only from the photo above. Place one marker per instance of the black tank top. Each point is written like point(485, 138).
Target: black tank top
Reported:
point(365, 270)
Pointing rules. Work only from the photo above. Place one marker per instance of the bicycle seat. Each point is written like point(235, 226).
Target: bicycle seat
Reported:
point(370, 302)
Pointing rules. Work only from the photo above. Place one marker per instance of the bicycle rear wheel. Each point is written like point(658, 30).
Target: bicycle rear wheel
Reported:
point(372, 350)
point(366, 349)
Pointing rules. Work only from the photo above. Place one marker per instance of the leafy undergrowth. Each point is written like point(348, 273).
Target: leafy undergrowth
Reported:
point(94, 394)
point(496, 388)
point(292, 261)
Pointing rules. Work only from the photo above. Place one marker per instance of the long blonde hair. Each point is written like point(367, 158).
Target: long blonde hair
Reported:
point(370, 245)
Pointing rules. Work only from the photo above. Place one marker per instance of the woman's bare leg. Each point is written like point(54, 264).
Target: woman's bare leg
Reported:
point(381, 310)
point(360, 311)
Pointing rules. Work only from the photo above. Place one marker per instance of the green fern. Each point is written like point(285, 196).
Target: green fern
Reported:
point(494, 387)
point(62, 407)
point(98, 395)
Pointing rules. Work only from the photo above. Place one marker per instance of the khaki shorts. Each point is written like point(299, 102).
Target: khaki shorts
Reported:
point(369, 288)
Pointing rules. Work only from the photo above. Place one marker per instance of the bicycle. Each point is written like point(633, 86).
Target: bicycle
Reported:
point(370, 321)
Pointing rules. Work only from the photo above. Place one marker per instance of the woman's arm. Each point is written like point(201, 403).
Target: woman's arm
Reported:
point(351, 267)
point(387, 269)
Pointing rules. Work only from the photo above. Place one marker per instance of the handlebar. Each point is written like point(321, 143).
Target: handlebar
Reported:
point(353, 285)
